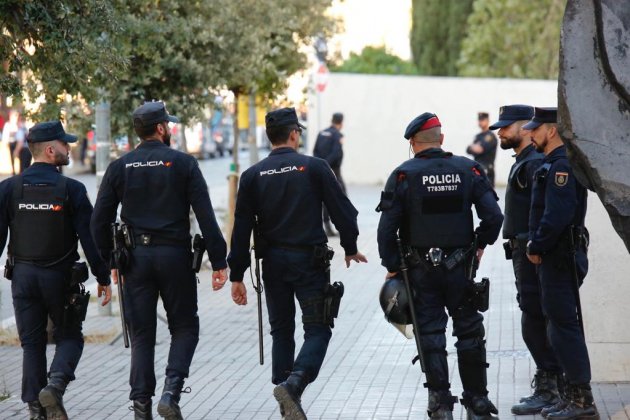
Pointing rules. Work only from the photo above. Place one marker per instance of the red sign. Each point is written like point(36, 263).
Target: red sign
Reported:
point(321, 77)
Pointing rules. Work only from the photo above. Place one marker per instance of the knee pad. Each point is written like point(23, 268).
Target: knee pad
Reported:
point(472, 340)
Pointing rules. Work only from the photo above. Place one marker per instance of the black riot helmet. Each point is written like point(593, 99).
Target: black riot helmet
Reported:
point(394, 301)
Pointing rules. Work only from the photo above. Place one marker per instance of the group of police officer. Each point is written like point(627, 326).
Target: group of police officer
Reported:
point(426, 205)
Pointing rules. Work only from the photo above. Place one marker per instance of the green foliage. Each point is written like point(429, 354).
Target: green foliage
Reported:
point(513, 38)
point(55, 47)
point(375, 60)
point(437, 30)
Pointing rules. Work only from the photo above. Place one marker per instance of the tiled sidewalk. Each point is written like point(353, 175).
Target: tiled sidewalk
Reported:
point(367, 373)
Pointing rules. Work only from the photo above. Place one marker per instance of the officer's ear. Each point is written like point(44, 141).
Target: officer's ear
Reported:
point(441, 138)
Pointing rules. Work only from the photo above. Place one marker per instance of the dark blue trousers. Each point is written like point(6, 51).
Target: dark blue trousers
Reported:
point(290, 274)
point(560, 308)
point(533, 322)
point(37, 294)
point(436, 291)
point(166, 272)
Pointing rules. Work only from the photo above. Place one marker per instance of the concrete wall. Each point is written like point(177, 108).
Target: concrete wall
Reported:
point(377, 110)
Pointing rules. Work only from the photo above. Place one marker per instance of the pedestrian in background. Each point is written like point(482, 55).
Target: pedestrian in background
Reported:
point(329, 146)
point(484, 147)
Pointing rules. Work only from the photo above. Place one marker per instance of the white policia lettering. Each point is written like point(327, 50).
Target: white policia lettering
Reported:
point(151, 163)
point(281, 170)
point(441, 179)
point(29, 206)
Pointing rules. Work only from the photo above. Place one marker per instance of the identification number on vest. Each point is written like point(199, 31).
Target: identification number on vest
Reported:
point(441, 182)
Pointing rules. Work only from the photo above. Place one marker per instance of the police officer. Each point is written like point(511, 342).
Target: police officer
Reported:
point(285, 192)
point(157, 186)
point(329, 146)
point(557, 245)
point(484, 147)
point(46, 213)
point(515, 231)
point(427, 201)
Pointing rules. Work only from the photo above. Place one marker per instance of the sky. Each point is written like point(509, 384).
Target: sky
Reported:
point(373, 22)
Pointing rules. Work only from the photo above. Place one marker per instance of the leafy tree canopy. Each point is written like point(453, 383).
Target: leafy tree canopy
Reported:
point(375, 60)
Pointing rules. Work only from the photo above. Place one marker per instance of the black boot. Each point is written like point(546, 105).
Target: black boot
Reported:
point(479, 408)
point(581, 405)
point(168, 407)
point(142, 409)
point(545, 394)
point(289, 394)
point(564, 399)
point(440, 405)
point(36, 411)
point(51, 397)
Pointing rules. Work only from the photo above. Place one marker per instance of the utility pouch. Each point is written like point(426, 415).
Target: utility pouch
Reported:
point(507, 247)
point(198, 249)
point(481, 294)
point(413, 258)
point(78, 273)
point(75, 309)
point(322, 255)
point(332, 301)
point(454, 259)
point(8, 268)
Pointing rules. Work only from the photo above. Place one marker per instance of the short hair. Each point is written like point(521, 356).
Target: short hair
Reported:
point(280, 134)
point(337, 118)
point(144, 131)
point(37, 149)
point(432, 135)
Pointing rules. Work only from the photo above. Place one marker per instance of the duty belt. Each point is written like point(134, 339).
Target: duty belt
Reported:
point(148, 239)
point(292, 247)
point(448, 258)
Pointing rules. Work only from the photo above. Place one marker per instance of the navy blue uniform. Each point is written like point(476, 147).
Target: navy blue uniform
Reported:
point(559, 202)
point(427, 202)
point(328, 147)
point(488, 140)
point(39, 292)
point(157, 186)
point(286, 192)
point(516, 231)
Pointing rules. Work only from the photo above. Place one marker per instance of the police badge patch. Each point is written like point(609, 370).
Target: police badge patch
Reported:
point(561, 178)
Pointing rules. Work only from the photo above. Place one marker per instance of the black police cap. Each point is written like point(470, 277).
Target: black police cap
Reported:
point(151, 113)
point(282, 117)
point(49, 131)
point(509, 114)
point(542, 116)
point(420, 123)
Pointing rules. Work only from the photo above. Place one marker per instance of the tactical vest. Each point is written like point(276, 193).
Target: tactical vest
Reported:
point(41, 225)
point(518, 199)
point(438, 213)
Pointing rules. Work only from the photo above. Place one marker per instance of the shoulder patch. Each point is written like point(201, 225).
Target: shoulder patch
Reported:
point(401, 176)
point(489, 138)
point(561, 178)
point(476, 171)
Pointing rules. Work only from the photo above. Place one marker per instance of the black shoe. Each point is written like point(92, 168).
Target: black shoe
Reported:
point(581, 405)
point(142, 410)
point(168, 407)
point(479, 408)
point(51, 397)
point(545, 394)
point(288, 395)
point(440, 406)
point(556, 407)
point(36, 411)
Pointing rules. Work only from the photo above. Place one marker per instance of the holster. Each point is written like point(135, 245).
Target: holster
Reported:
point(199, 248)
point(332, 301)
point(481, 294)
point(78, 273)
point(507, 247)
point(322, 255)
point(76, 306)
point(8, 267)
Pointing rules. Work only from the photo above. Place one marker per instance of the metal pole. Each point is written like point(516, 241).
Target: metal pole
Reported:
point(102, 136)
point(253, 144)
point(233, 177)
